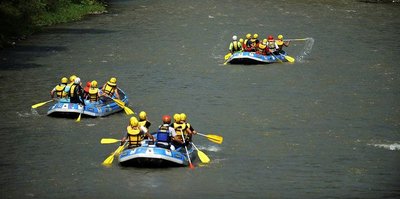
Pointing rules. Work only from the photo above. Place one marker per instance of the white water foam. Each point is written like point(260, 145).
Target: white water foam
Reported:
point(27, 114)
point(210, 148)
point(306, 50)
point(392, 147)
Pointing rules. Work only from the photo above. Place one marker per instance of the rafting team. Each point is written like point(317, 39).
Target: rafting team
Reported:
point(73, 92)
point(252, 44)
point(169, 135)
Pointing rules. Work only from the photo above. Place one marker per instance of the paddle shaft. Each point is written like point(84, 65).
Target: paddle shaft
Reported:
point(41, 103)
point(295, 39)
point(187, 152)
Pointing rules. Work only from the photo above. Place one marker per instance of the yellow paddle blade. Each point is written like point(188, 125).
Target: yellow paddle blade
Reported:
point(228, 55)
point(290, 59)
point(109, 160)
point(109, 141)
point(79, 118)
point(41, 104)
point(128, 111)
point(203, 157)
point(215, 138)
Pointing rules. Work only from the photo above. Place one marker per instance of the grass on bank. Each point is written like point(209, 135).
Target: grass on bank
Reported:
point(71, 13)
point(21, 18)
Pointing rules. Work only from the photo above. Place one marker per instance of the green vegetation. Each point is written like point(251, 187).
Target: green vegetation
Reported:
point(19, 18)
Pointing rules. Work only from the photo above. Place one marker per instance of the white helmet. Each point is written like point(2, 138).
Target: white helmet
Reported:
point(77, 80)
point(234, 37)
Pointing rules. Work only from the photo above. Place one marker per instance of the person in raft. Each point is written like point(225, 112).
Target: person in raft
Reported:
point(76, 92)
point(135, 134)
point(59, 89)
point(110, 88)
point(166, 134)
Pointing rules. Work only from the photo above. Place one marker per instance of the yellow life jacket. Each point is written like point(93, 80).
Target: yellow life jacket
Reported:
point(142, 123)
point(135, 136)
point(180, 128)
point(245, 42)
point(235, 46)
point(253, 41)
point(280, 44)
point(60, 91)
point(261, 47)
point(71, 90)
point(93, 94)
point(109, 89)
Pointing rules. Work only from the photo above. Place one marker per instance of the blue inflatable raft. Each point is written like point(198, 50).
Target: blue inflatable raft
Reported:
point(253, 58)
point(105, 106)
point(149, 155)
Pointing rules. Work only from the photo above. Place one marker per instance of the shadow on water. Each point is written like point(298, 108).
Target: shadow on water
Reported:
point(380, 1)
point(22, 56)
point(76, 31)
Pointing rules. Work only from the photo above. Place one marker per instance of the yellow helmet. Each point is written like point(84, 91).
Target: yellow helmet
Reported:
point(280, 36)
point(93, 84)
point(72, 78)
point(177, 117)
point(113, 81)
point(265, 41)
point(64, 80)
point(142, 115)
point(248, 36)
point(183, 116)
point(241, 40)
point(255, 36)
point(133, 121)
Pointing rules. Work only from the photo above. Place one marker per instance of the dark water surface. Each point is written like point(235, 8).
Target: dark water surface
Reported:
point(326, 127)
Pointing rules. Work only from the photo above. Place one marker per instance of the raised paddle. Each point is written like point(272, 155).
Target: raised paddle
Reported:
point(203, 157)
point(109, 141)
point(213, 138)
point(295, 39)
point(41, 104)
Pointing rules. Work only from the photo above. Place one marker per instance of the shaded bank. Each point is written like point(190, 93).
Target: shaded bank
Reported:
point(21, 18)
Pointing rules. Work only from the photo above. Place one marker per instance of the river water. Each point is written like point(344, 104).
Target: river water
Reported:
point(324, 127)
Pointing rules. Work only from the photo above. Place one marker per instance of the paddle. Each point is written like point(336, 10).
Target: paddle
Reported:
point(79, 118)
point(109, 141)
point(41, 104)
point(203, 157)
point(187, 153)
point(280, 61)
point(289, 58)
point(213, 138)
point(121, 104)
point(295, 39)
point(110, 158)
point(228, 55)
point(80, 114)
